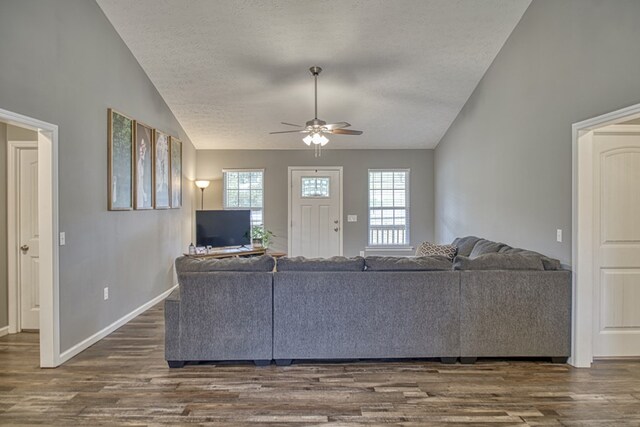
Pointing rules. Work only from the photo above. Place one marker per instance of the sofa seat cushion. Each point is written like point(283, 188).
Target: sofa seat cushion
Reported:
point(496, 261)
point(484, 246)
point(186, 264)
point(547, 262)
point(465, 244)
point(429, 249)
point(336, 263)
point(423, 263)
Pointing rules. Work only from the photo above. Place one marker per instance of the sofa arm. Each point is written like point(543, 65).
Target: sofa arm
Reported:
point(172, 326)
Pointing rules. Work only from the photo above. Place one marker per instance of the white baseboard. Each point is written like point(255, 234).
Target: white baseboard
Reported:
point(4, 331)
point(83, 345)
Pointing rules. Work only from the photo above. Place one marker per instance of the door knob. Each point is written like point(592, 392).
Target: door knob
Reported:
point(336, 221)
point(336, 229)
point(24, 248)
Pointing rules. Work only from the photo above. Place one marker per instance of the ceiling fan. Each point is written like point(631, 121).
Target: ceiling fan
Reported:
point(317, 129)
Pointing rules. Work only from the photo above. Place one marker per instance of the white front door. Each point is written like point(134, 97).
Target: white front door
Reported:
point(29, 252)
point(315, 229)
point(616, 270)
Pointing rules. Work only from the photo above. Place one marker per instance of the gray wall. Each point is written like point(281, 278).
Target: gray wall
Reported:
point(62, 62)
point(4, 308)
point(15, 133)
point(503, 169)
point(355, 163)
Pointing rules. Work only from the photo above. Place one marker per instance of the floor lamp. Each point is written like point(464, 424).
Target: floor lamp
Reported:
point(202, 184)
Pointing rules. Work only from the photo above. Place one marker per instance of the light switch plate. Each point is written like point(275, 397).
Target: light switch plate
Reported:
point(63, 238)
point(352, 218)
point(559, 235)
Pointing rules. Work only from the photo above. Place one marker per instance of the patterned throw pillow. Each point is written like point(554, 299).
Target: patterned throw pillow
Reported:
point(428, 249)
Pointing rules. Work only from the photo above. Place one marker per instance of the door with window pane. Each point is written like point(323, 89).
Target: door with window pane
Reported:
point(315, 217)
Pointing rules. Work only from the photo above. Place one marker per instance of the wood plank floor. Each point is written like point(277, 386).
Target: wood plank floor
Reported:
point(123, 380)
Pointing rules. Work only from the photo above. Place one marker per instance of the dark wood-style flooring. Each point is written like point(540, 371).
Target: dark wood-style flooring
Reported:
point(124, 380)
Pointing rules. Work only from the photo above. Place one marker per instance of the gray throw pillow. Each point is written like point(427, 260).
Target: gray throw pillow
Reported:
point(425, 263)
point(186, 264)
point(429, 249)
point(465, 244)
point(484, 246)
point(496, 261)
point(336, 263)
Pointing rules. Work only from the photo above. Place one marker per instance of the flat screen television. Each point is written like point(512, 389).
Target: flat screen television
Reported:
point(223, 228)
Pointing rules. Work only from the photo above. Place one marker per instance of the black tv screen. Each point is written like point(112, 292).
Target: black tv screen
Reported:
point(223, 228)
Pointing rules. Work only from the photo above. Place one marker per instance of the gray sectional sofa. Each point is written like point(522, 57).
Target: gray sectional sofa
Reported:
point(490, 301)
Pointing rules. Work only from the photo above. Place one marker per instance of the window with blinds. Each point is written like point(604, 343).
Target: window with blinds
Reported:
point(244, 189)
point(389, 207)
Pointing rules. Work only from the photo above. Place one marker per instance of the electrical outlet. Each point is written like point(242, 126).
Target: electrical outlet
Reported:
point(63, 238)
point(361, 253)
point(106, 293)
point(352, 218)
point(559, 235)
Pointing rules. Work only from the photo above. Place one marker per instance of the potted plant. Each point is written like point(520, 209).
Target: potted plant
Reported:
point(261, 237)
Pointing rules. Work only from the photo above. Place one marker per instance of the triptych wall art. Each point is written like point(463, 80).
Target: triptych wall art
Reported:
point(145, 166)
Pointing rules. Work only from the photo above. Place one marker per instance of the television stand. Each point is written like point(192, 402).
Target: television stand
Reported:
point(238, 252)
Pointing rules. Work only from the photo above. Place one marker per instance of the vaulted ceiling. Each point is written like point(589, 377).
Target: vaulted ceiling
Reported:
point(232, 70)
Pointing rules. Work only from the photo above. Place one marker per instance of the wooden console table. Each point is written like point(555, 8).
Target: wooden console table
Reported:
point(239, 253)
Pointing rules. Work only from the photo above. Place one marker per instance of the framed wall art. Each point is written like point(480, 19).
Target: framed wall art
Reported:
point(162, 181)
point(176, 172)
point(120, 161)
point(143, 166)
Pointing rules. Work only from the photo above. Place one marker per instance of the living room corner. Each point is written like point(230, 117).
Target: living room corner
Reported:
point(319, 213)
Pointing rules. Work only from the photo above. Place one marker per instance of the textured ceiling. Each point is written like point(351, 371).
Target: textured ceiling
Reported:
point(232, 70)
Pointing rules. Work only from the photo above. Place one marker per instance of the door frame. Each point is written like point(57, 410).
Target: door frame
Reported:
point(13, 232)
point(290, 171)
point(582, 231)
point(48, 229)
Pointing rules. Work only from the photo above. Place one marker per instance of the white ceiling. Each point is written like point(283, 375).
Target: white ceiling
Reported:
point(232, 70)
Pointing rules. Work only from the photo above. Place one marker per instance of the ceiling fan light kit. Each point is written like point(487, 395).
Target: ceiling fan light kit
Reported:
point(316, 129)
point(316, 138)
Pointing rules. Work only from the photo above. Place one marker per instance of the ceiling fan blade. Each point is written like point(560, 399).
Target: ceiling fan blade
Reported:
point(289, 131)
point(338, 125)
point(291, 124)
point(345, 132)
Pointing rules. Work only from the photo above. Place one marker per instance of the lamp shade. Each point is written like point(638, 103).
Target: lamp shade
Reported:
point(317, 138)
point(202, 183)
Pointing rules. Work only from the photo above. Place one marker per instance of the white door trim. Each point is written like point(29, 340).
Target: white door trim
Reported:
point(13, 233)
point(48, 228)
point(582, 231)
point(289, 184)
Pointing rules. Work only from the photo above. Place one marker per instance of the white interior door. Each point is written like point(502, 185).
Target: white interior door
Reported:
point(616, 245)
point(316, 213)
point(29, 239)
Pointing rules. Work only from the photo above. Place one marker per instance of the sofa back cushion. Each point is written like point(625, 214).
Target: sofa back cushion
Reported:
point(424, 263)
point(336, 263)
point(465, 244)
point(186, 264)
point(484, 246)
point(495, 261)
point(429, 249)
point(547, 262)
